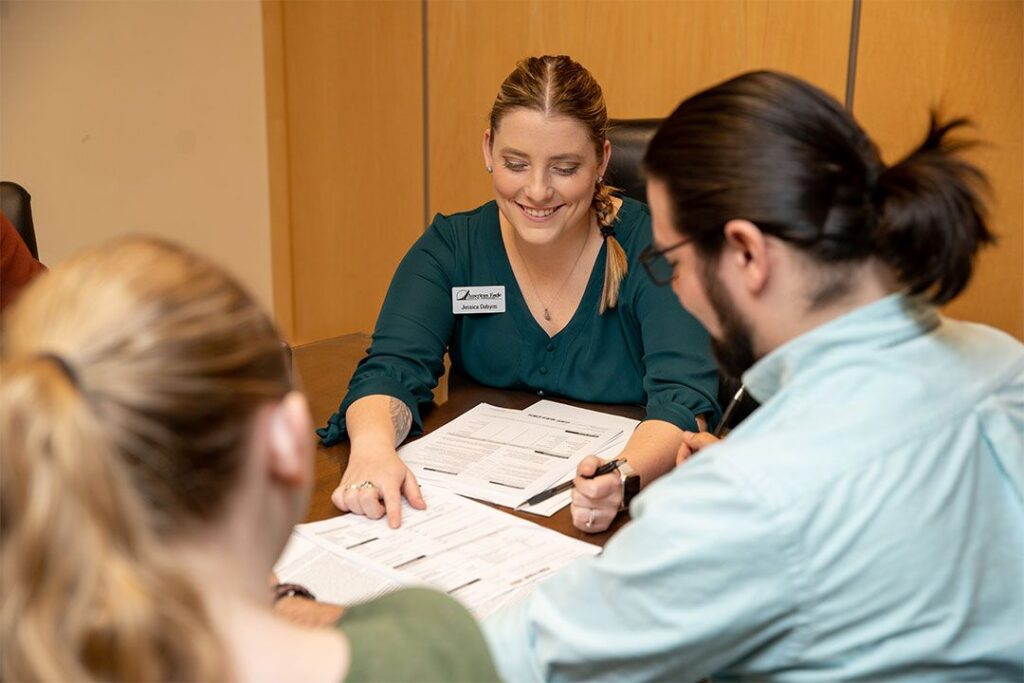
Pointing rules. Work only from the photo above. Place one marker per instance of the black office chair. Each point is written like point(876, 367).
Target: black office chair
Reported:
point(16, 203)
point(629, 138)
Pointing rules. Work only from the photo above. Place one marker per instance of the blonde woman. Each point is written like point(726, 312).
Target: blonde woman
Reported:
point(558, 254)
point(155, 459)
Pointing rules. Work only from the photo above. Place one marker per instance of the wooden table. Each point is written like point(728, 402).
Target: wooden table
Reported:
point(324, 369)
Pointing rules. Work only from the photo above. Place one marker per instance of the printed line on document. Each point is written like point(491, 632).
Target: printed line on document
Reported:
point(501, 483)
point(592, 436)
point(408, 562)
point(553, 455)
point(465, 585)
point(434, 469)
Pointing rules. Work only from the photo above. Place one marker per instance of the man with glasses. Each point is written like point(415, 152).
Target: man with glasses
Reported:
point(867, 522)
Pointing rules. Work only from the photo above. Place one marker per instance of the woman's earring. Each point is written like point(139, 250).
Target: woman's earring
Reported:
point(600, 179)
point(490, 170)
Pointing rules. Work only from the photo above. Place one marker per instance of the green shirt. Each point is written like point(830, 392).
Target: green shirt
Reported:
point(647, 350)
point(415, 634)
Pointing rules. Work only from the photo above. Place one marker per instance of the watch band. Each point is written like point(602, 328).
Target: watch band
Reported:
point(630, 484)
point(292, 590)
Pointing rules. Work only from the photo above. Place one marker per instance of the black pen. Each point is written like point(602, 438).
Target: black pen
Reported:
point(729, 410)
point(609, 466)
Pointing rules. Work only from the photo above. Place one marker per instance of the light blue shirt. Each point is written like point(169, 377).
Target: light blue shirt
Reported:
point(866, 523)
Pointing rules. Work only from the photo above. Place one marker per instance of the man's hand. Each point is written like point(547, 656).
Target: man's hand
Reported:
point(693, 442)
point(595, 502)
point(390, 480)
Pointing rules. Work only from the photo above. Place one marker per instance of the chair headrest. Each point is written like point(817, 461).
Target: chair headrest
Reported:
point(629, 138)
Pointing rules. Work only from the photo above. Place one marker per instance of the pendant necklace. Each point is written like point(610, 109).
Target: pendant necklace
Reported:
point(533, 285)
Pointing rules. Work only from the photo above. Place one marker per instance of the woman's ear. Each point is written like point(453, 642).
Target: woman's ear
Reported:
point(606, 156)
point(291, 443)
point(488, 160)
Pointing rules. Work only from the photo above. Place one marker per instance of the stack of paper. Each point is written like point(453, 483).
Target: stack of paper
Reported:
point(483, 557)
point(507, 456)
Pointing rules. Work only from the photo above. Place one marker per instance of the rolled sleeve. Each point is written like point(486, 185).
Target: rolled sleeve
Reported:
point(680, 377)
point(406, 356)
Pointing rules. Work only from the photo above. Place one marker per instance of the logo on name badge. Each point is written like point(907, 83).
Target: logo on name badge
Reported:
point(467, 300)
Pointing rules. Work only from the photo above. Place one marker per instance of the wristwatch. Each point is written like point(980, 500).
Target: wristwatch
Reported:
point(630, 484)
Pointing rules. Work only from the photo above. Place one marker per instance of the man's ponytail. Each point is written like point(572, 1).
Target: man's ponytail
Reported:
point(931, 215)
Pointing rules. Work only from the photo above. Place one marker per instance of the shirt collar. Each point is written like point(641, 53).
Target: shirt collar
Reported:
point(880, 324)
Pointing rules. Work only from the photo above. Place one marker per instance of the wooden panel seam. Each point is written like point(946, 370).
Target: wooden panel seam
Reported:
point(278, 166)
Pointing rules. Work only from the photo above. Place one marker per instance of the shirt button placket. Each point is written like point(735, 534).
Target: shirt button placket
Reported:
point(544, 370)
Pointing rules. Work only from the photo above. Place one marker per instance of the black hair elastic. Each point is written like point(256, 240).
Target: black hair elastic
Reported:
point(607, 231)
point(64, 366)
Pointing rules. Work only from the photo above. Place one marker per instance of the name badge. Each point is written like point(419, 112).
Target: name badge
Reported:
point(478, 299)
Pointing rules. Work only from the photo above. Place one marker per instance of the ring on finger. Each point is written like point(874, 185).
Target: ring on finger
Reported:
point(590, 520)
point(360, 485)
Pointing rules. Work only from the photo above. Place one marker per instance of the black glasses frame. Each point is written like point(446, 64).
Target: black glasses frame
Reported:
point(649, 256)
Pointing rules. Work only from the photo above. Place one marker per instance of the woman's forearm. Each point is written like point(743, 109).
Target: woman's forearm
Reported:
point(378, 419)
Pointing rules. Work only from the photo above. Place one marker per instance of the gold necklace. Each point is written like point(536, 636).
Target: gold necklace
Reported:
point(533, 285)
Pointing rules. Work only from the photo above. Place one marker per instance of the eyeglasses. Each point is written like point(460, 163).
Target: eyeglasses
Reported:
point(658, 268)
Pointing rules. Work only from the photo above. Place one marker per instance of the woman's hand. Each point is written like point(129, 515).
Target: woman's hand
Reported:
point(595, 502)
point(693, 442)
point(389, 479)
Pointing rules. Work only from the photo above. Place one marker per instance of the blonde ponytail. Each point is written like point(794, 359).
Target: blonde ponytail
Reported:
point(88, 592)
point(130, 375)
point(616, 264)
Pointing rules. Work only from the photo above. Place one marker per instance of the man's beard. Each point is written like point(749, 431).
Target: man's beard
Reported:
point(734, 351)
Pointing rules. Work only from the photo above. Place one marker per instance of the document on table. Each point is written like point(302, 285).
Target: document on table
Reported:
point(506, 456)
point(483, 557)
point(558, 501)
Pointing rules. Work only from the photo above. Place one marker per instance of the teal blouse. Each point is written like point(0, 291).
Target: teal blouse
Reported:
point(647, 350)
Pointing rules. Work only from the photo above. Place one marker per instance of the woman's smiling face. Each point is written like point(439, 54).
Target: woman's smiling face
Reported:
point(545, 171)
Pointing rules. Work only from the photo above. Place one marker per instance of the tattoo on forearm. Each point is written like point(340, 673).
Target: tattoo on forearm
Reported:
point(401, 419)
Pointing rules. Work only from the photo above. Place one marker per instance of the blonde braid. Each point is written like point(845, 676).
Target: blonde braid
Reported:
point(616, 265)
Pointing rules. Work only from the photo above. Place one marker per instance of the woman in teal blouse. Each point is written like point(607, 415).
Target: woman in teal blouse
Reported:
point(559, 254)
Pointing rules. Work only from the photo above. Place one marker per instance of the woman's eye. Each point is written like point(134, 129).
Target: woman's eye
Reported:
point(566, 170)
point(515, 165)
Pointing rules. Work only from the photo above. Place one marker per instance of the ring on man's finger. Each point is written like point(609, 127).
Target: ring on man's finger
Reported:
point(360, 485)
point(590, 520)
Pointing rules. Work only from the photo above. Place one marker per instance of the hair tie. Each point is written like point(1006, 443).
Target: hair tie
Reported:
point(607, 231)
point(64, 366)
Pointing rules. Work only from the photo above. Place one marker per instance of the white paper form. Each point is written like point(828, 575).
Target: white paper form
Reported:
point(483, 557)
point(555, 503)
point(331, 578)
point(505, 456)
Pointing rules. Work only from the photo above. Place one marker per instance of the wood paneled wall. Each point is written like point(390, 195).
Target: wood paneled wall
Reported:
point(647, 56)
point(965, 57)
point(346, 76)
point(358, 128)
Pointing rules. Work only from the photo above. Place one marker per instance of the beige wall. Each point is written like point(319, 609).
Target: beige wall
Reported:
point(131, 116)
